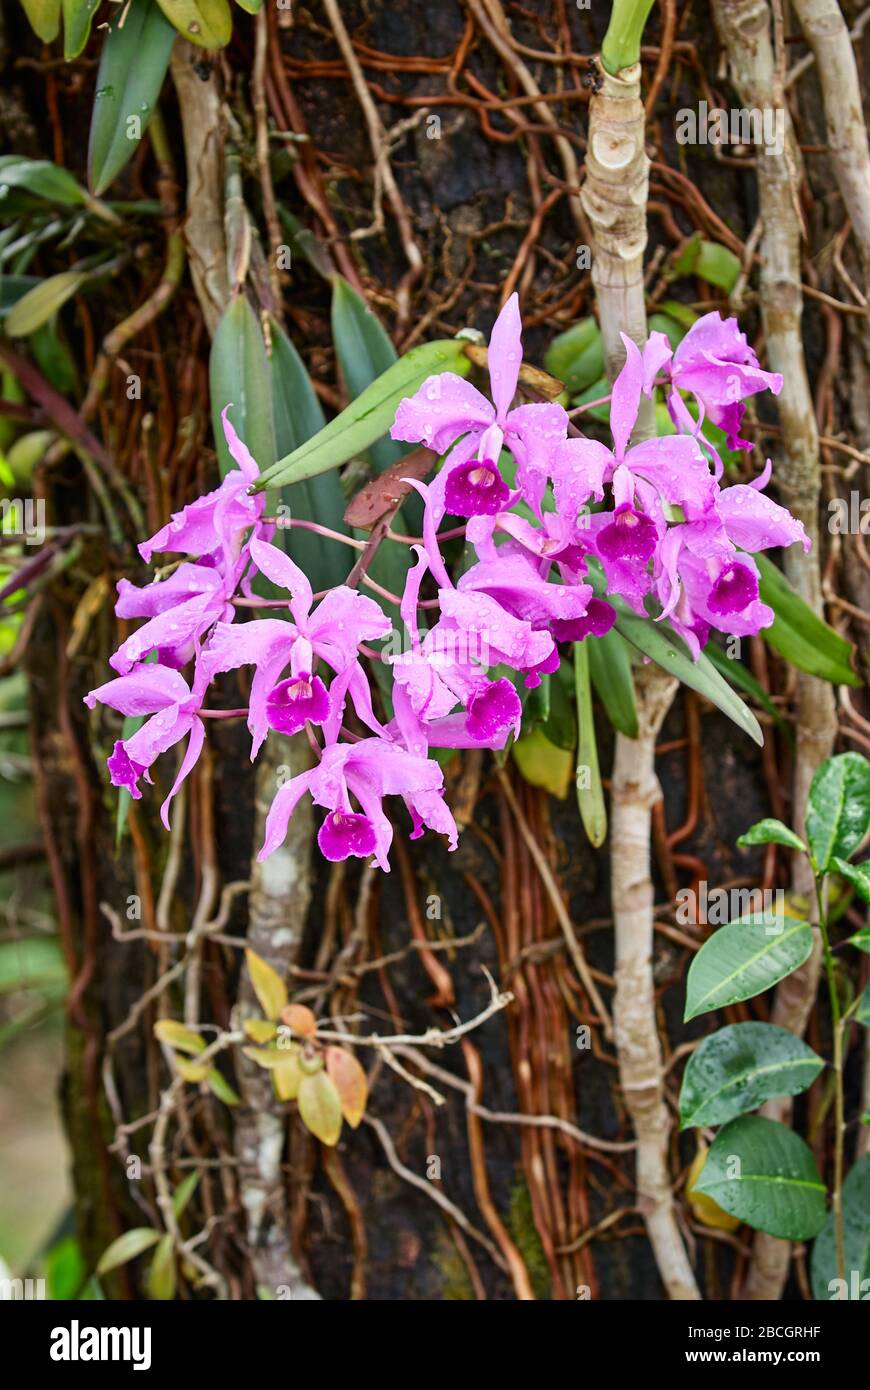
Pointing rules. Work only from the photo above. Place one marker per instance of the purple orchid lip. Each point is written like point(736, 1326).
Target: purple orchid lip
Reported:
point(630, 535)
point(476, 489)
point(123, 771)
point(532, 675)
point(345, 833)
point(493, 709)
point(598, 620)
point(734, 590)
point(295, 701)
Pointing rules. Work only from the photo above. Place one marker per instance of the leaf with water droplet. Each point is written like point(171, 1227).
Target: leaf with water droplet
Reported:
point(740, 1067)
point(208, 23)
point(133, 65)
point(766, 1175)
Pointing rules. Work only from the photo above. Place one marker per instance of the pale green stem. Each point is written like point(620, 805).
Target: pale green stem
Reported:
point(621, 46)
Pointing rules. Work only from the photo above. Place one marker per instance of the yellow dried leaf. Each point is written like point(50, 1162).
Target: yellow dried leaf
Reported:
point(268, 985)
point(175, 1035)
point(704, 1208)
point(320, 1107)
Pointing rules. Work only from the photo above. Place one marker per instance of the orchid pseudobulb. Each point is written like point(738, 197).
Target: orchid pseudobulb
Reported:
point(545, 511)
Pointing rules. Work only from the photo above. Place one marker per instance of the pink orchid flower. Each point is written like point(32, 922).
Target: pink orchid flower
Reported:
point(180, 609)
point(367, 772)
point(174, 708)
point(332, 632)
point(705, 579)
point(648, 479)
point(215, 524)
point(447, 407)
point(714, 363)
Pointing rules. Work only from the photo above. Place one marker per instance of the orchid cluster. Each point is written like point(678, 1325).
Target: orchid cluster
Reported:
point(558, 529)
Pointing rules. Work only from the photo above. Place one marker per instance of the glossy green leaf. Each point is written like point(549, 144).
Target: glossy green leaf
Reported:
point(590, 793)
point(838, 808)
point(560, 723)
point(240, 376)
point(161, 1275)
point(739, 1067)
point(44, 17)
point(576, 357)
point(764, 1174)
point(77, 19)
point(771, 832)
point(133, 63)
point(208, 23)
point(681, 312)
point(743, 959)
point(859, 877)
point(365, 353)
point(127, 1247)
point(366, 419)
point(610, 669)
point(42, 178)
point(799, 634)
point(862, 1013)
point(320, 1107)
point(740, 676)
point(42, 302)
point(298, 416)
point(250, 6)
point(856, 1239)
point(861, 939)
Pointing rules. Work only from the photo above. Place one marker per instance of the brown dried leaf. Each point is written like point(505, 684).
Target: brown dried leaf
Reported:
point(382, 494)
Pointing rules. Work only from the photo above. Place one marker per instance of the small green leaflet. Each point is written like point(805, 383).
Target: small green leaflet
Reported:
point(771, 832)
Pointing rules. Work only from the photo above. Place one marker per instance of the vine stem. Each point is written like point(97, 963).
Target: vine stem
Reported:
point(838, 1025)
